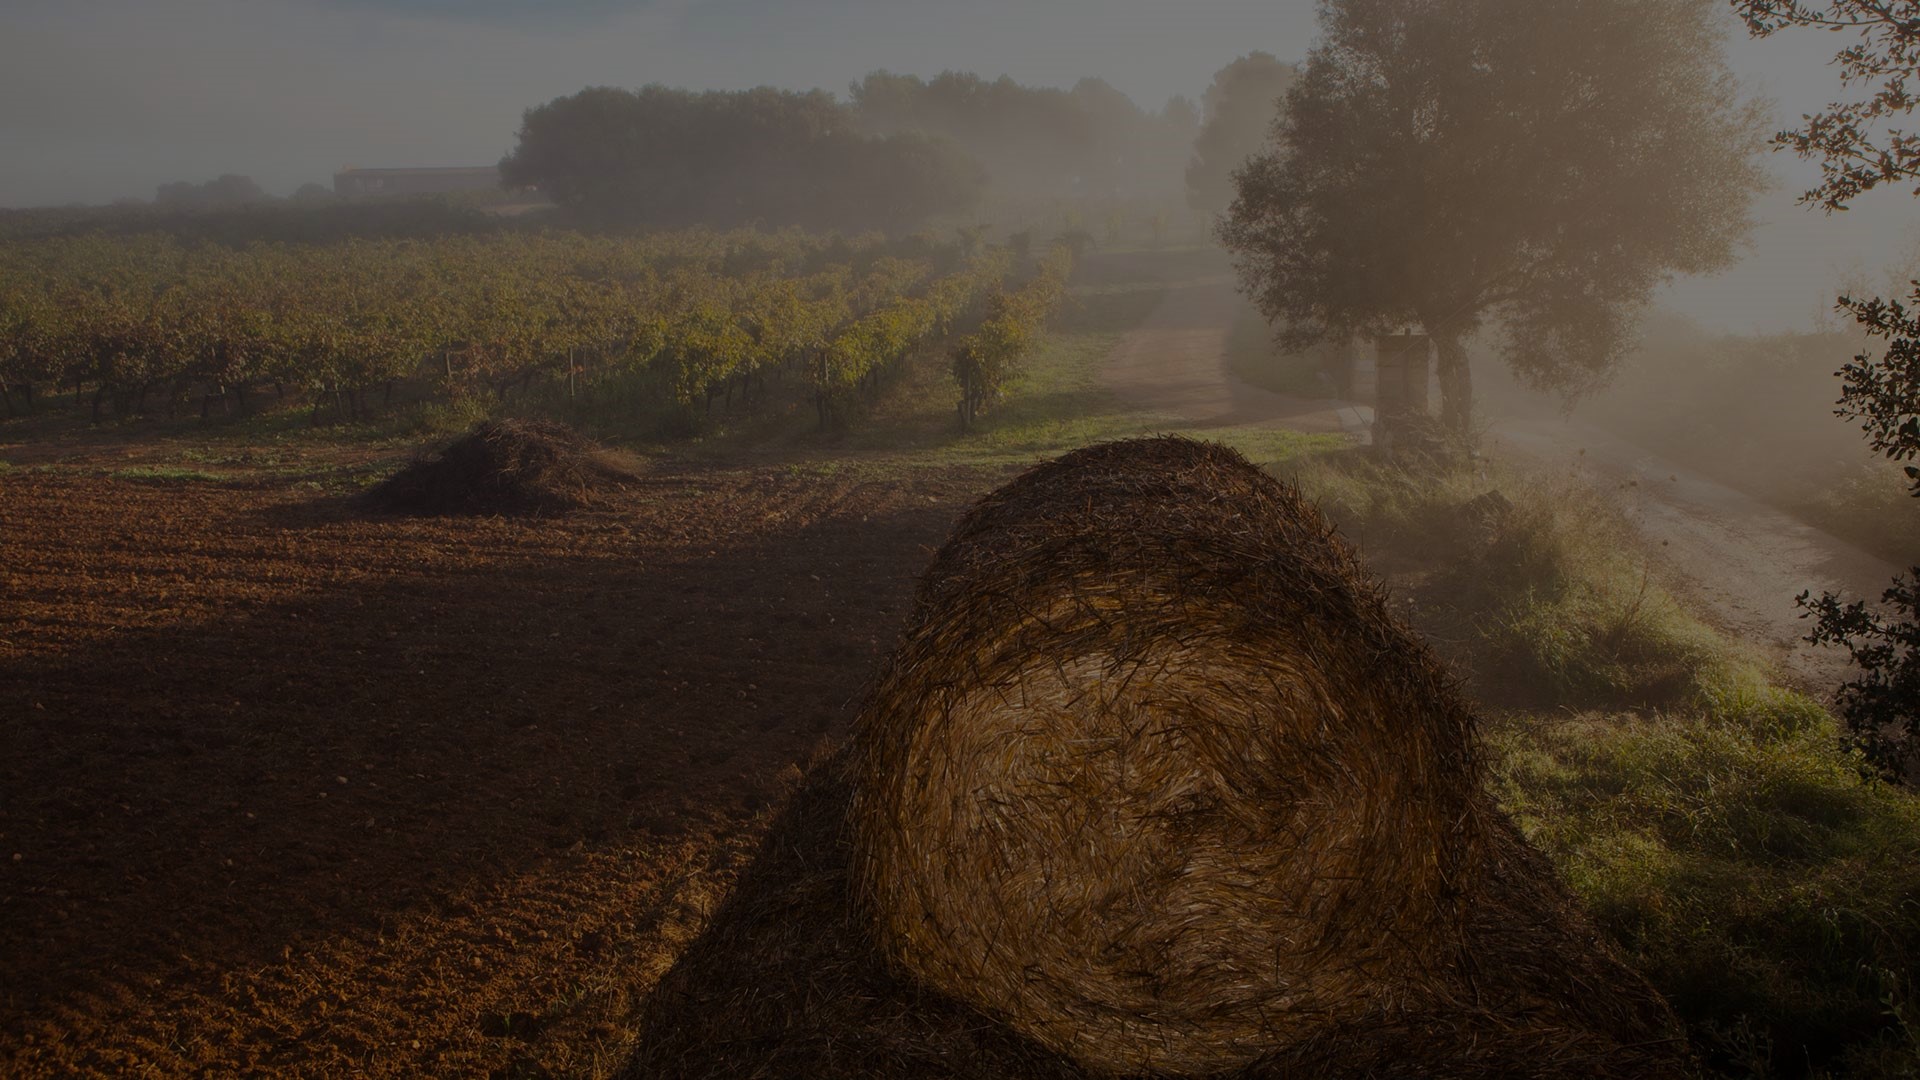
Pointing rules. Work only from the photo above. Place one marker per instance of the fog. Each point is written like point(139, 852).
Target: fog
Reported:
point(106, 99)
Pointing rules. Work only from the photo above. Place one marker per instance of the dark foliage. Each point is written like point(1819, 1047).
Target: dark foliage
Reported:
point(1883, 393)
point(220, 193)
point(663, 157)
point(1882, 707)
point(1857, 153)
point(1091, 140)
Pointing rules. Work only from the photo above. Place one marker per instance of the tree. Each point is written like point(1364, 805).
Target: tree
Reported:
point(1240, 109)
point(1034, 141)
point(313, 195)
point(1858, 151)
point(659, 156)
point(1542, 166)
point(223, 192)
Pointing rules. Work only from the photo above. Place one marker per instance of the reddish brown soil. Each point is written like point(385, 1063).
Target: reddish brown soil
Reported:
point(286, 789)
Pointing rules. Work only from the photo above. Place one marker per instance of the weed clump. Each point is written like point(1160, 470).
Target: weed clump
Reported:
point(1536, 580)
point(506, 467)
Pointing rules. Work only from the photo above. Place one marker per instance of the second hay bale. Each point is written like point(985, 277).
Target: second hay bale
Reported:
point(503, 467)
point(1156, 779)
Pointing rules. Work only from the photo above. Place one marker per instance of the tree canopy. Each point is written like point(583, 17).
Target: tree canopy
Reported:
point(660, 156)
point(1539, 166)
point(1089, 140)
point(1239, 111)
point(221, 193)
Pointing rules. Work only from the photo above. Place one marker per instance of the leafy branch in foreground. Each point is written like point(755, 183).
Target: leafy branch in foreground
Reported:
point(1856, 151)
point(1882, 707)
point(1884, 394)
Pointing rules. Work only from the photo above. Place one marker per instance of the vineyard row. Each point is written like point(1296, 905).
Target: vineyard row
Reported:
point(693, 315)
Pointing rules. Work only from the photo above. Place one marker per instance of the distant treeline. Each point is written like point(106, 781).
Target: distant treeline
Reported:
point(898, 153)
point(664, 157)
point(1091, 140)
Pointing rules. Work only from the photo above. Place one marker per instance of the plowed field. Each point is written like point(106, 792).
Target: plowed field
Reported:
point(287, 789)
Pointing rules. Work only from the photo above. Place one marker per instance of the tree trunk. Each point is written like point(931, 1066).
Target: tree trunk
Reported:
point(1456, 382)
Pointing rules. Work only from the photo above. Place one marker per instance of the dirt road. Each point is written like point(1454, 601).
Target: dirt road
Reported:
point(1740, 560)
point(1176, 363)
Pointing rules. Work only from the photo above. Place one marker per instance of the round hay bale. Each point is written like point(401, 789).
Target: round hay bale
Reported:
point(503, 467)
point(1157, 779)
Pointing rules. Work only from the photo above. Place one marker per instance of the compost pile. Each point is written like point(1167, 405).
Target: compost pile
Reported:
point(1155, 784)
point(503, 467)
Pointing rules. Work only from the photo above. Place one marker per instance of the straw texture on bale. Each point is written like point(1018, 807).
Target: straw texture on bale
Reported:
point(1175, 577)
point(1157, 780)
point(787, 981)
point(502, 467)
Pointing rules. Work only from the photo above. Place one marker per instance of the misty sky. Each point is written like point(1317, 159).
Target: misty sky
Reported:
point(101, 99)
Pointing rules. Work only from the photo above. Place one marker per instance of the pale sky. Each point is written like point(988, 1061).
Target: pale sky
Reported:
point(107, 98)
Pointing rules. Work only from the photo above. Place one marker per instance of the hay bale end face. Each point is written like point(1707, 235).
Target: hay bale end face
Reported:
point(503, 467)
point(1156, 778)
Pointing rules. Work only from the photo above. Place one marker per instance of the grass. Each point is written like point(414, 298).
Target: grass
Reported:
point(1723, 840)
point(1746, 865)
point(1536, 580)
